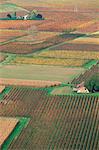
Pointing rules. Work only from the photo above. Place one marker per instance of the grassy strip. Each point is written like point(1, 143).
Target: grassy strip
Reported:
point(23, 122)
point(90, 63)
point(5, 91)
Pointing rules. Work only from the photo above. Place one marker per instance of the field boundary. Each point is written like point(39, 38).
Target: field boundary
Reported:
point(23, 122)
point(5, 91)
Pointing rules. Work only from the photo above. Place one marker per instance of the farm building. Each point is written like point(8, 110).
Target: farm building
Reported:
point(80, 88)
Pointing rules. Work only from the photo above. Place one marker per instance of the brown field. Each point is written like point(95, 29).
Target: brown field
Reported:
point(17, 47)
point(18, 24)
point(89, 28)
point(6, 35)
point(77, 47)
point(59, 26)
point(32, 83)
point(6, 127)
point(2, 87)
point(37, 37)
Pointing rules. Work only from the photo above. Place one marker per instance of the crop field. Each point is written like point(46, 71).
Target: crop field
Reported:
point(57, 122)
point(37, 37)
point(69, 62)
point(18, 24)
point(86, 40)
point(77, 47)
point(69, 54)
point(6, 35)
point(39, 72)
point(59, 27)
point(89, 28)
point(6, 127)
point(28, 83)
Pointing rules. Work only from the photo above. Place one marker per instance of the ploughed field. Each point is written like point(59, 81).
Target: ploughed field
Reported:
point(57, 122)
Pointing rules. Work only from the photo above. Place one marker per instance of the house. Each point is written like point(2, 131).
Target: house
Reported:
point(80, 88)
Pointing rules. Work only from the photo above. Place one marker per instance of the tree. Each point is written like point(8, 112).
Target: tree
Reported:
point(93, 83)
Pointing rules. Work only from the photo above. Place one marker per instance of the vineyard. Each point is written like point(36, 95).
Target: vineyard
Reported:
point(88, 74)
point(57, 122)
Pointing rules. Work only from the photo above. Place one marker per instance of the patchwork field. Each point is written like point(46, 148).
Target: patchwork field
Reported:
point(6, 127)
point(39, 72)
point(21, 46)
point(41, 61)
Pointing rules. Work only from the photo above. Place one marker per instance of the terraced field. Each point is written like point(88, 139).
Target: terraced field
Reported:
point(57, 122)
